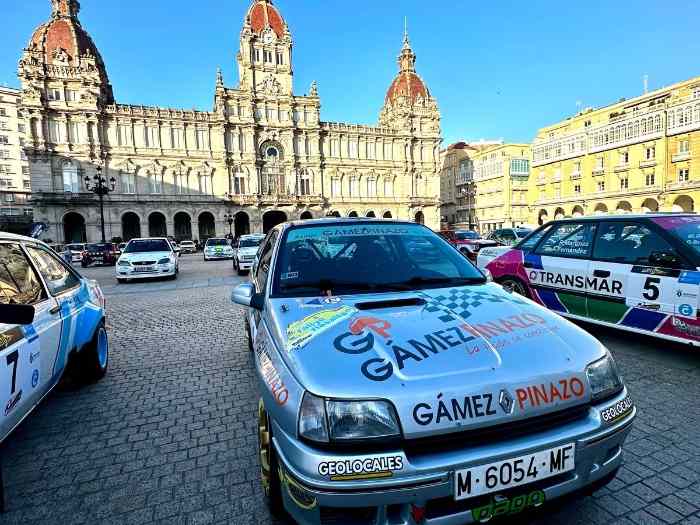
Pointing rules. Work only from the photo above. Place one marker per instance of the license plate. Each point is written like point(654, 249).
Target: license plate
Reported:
point(145, 269)
point(485, 479)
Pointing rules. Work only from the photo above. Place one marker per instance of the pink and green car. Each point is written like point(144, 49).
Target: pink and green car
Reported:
point(639, 273)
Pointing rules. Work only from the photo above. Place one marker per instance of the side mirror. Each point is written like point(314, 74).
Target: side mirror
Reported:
point(244, 294)
point(665, 260)
point(22, 314)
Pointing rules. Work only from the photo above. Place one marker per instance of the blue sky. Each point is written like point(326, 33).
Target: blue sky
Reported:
point(498, 69)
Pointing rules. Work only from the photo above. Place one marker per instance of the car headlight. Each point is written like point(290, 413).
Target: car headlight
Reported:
point(164, 260)
point(342, 421)
point(603, 378)
point(123, 263)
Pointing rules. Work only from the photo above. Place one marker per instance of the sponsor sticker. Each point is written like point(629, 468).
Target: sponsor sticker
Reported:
point(688, 329)
point(548, 393)
point(35, 378)
point(686, 310)
point(456, 410)
point(576, 282)
point(289, 276)
point(503, 506)
point(365, 468)
point(617, 411)
point(320, 302)
point(689, 277)
point(302, 331)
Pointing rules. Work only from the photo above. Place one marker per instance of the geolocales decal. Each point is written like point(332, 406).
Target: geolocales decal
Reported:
point(617, 411)
point(361, 468)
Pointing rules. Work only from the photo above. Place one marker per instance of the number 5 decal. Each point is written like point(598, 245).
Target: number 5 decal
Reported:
point(12, 361)
point(651, 288)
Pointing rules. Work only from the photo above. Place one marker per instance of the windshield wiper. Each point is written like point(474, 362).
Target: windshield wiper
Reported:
point(414, 282)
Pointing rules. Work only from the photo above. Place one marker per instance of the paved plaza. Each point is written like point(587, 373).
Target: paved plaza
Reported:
point(169, 435)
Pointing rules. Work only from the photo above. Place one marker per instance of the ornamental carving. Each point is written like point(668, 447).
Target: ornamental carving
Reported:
point(270, 86)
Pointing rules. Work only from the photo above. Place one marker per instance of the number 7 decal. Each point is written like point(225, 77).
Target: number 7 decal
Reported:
point(12, 360)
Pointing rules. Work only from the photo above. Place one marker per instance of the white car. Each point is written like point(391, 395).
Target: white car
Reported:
point(486, 255)
point(147, 258)
point(218, 248)
point(188, 247)
point(244, 252)
point(51, 320)
point(76, 251)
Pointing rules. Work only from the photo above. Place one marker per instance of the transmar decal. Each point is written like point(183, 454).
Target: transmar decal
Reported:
point(576, 282)
point(547, 393)
point(368, 468)
point(300, 332)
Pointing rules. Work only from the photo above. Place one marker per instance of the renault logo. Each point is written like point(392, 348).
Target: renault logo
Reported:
point(506, 401)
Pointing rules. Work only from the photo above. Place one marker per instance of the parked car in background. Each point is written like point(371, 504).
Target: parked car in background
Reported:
point(121, 246)
point(396, 385)
point(632, 272)
point(77, 251)
point(508, 236)
point(188, 247)
point(218, 248)
point(99, 253)
point(469, 243)
point(58, 248)
point(244, 252)
point(52, 319)
point(147, 258)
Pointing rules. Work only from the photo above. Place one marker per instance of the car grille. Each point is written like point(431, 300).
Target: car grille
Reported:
point(493, 434)
point(143, 263)
point(348, 515)
point(248, 257)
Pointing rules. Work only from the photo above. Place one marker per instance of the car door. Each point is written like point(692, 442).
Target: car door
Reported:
point(646, 267)
point(557, 269)
point(65, 286)
point(26, 352)
point(261, 273)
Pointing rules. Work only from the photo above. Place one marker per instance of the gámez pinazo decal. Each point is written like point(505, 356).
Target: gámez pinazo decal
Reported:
point(576, 282)
point(361, 339)
point(617, 411)
point(505, 325)
point(367, 468)
point(548, 393)
point(507, 506)
point(455, 410)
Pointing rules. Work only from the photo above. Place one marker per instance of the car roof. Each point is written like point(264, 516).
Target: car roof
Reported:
point(342, 221)
point(7, 236)
point(149, 239)
point(625, 217)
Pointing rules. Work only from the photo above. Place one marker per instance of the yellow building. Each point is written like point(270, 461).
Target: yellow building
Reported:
point(637, 155)
point(501, 176)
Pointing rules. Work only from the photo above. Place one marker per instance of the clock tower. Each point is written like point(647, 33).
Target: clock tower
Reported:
point(265, 56)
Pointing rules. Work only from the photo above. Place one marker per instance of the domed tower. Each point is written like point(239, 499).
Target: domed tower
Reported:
point(408, 105)
point(62, 64)
point(265, 56)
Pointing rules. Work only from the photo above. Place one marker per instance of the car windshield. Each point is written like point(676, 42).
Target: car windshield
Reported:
point(249, 243)
point(147, 245)
point(217, 242)
point(687, 229)
point(364, 258)
point(98, 247)
point(522, 233)
point(464, 236)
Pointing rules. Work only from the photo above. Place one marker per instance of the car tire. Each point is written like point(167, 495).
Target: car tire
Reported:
point(269, 473)
point(514, 285)
point(94, 357)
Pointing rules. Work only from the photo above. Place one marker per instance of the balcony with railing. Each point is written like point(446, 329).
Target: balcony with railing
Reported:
point(681, 156)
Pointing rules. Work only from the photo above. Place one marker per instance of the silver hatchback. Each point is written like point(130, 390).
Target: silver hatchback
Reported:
point(399, 386)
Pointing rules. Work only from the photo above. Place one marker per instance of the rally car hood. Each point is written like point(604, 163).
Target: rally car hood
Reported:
point(144, 256)
point(445, 358)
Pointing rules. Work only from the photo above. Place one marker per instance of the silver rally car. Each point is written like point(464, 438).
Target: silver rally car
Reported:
point(398, 386)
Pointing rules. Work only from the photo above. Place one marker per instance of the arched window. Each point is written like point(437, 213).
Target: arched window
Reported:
point(71, 184)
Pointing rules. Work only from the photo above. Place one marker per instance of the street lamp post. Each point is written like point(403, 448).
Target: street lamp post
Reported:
point(98, 185)
point(229, 219)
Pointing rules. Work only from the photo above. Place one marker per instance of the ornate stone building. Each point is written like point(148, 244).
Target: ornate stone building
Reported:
point(262, 154)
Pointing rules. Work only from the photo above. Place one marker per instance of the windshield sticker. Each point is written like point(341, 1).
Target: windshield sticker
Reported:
point(546, 394)
point(302, 234)
point(300, 332)
point(367, 468)
point(503, 506)
point(289, 276)
point(617, 411)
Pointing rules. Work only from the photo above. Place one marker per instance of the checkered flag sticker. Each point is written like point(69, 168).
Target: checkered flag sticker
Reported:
point(458, 303)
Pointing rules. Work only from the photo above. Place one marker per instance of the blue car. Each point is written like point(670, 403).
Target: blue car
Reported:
point(50, 317)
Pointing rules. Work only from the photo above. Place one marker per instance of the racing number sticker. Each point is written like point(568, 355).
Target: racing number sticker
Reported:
point(651, 288)
point(19, 375)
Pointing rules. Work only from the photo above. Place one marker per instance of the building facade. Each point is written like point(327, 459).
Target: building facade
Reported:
point(637, 155)
point(453, 161)
point(15, 184)
point(501, 176)
point(262, 155)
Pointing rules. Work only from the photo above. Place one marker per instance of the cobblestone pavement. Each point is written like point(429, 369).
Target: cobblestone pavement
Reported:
point(169, 435)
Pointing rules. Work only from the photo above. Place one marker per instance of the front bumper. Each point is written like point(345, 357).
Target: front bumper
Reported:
point(127, 272)
point(245, 265)
point(427, 480)
point(218, 256)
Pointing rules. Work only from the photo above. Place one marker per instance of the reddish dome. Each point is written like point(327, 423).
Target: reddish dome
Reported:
point(62, 33)
point(407, 84)
point(263, 14)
